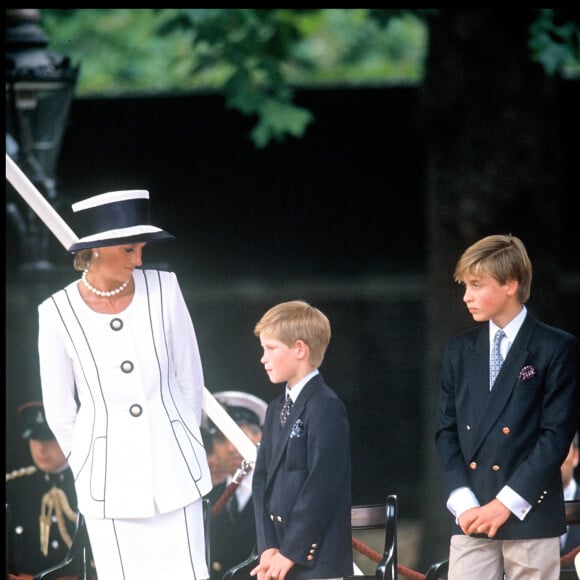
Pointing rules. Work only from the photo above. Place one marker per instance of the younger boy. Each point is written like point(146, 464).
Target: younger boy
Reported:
point(302, 477)
point(501, 441)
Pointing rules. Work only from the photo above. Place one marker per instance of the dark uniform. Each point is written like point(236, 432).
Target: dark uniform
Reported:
point(233, 535)
point(38, 502)
point(25, 490)
point(232, 540)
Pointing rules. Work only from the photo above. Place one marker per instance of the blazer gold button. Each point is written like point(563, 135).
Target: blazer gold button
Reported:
point(315, 545)
point(136, 410)
point(495, 467)
point(310, 557)
point(468, 427)
point(279, 518)
point(473, 465)
point(272, 517)
point(116, 324)
point(311, 551)
point(216, 566)
point(506, 430)
point(127, 366)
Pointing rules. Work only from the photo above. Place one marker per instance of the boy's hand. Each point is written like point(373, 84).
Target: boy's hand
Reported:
point(486, 519)
point(273, 565)
point(264, 564)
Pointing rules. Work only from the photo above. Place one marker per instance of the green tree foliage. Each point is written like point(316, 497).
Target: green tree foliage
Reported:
point(258, 57)
point(555, 41)
point(255, 57)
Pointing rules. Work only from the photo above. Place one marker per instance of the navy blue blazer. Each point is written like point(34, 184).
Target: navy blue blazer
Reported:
point(302, 484)
point(519, 433)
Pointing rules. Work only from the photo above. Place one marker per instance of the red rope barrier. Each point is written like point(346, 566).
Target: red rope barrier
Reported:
point(568, 558)
point(565, 560)
point(375, 556)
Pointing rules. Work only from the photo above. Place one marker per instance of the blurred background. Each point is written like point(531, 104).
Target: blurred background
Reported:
point(343, 156)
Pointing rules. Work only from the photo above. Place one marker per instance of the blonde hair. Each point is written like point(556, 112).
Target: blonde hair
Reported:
point(82, 259)
point(297, 320)
point(503, 257)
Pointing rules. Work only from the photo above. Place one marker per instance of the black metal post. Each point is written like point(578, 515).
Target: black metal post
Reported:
point(39, 91)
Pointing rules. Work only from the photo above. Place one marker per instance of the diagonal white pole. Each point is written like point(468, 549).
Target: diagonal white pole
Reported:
point(39, 204)
point(56, 224)
point(228, 427)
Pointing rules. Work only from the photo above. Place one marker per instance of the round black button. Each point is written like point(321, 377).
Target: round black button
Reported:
point(116, 324)
point(136, 410)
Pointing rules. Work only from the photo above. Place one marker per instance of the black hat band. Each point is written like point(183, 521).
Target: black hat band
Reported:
point(112, 216)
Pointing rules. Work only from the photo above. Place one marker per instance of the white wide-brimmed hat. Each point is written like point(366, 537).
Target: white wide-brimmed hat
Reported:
point(115, 218)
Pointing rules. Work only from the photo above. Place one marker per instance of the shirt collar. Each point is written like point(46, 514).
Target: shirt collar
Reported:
point(511, 329)
point(297, 388)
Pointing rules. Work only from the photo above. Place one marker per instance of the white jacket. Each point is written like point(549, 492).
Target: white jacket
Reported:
point(134, 443)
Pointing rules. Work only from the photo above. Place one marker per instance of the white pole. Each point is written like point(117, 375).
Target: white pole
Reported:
point(67, 237)
point(228, 427)
point(39, 204)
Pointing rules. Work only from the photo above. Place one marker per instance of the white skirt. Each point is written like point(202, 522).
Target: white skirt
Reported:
point(168, 545)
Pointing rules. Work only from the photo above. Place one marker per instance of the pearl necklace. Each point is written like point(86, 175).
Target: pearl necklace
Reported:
point(102, 293)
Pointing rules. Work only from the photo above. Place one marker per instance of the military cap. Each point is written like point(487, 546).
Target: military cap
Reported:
point(33, 422)
point(241, 407)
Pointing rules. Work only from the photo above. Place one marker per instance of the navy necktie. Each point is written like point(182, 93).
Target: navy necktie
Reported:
point(285, 410)
point(233, 507)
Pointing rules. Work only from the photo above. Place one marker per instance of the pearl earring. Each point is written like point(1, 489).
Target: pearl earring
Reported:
point(96, 254)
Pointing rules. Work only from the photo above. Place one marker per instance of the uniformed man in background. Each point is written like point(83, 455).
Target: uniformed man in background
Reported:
point(571, 538)
point(41, 505)
point(233, 529)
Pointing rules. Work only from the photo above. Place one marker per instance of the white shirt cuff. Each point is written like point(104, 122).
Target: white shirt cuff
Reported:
point(460, 500)
point(514, 502)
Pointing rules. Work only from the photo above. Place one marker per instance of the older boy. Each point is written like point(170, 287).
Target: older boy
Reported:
point(501, 440)
point(302, 479)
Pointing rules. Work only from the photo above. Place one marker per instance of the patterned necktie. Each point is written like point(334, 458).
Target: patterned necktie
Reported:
point(496, 358)
point(285, 410)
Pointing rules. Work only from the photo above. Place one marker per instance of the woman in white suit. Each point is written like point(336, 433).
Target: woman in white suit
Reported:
point(122, 386)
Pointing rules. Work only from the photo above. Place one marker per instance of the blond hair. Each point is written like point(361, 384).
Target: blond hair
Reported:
point(82, 259)
point(297, 320)
point(503, 257)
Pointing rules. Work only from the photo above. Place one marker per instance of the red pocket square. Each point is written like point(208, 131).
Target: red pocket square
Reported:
point(527, 372)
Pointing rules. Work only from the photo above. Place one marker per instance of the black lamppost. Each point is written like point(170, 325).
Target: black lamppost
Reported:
point(39, 91)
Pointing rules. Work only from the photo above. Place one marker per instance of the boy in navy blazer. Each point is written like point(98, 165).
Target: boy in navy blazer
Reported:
point(501, 442)
point(302, 477)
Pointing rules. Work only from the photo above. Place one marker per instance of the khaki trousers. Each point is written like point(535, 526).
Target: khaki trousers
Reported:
point(485, 559)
